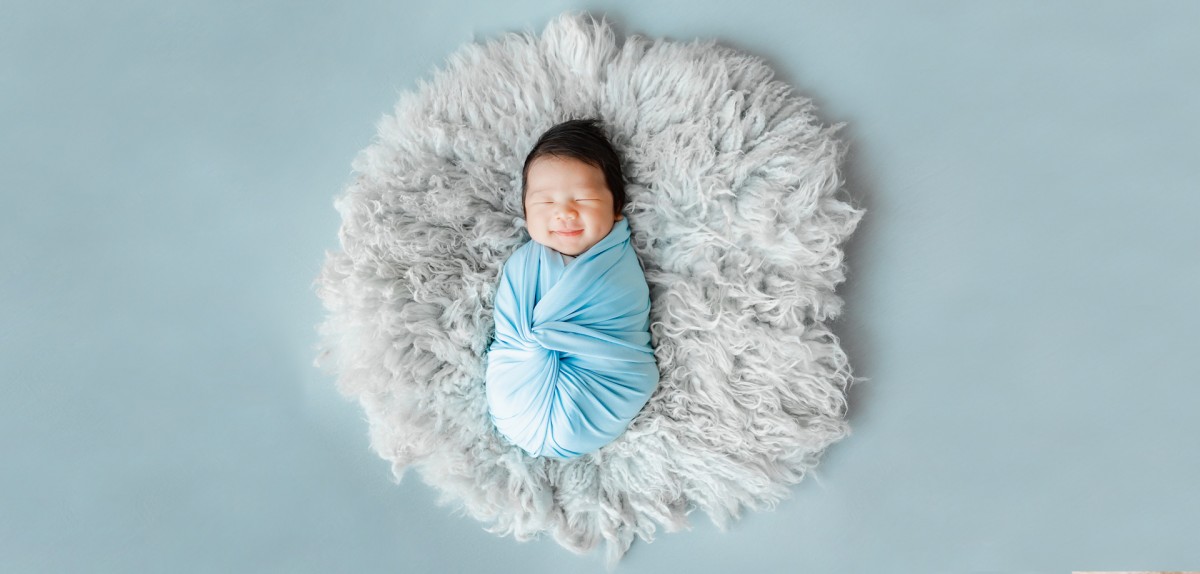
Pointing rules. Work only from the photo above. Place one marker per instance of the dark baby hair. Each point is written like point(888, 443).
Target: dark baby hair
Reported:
point(584, 140)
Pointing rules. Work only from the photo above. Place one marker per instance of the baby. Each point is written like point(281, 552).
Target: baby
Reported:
point(571, 363)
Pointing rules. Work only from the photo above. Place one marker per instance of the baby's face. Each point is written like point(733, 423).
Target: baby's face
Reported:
point(568, 207)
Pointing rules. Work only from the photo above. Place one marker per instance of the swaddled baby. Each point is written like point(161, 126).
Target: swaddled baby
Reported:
point(571, 362)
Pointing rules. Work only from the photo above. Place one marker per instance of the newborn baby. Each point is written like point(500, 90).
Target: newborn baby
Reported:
point(571, 362)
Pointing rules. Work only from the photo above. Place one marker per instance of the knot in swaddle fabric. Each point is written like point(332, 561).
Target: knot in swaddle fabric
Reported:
point(571, 363)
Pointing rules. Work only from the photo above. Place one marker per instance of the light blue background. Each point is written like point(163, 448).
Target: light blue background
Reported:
point(1021, 293)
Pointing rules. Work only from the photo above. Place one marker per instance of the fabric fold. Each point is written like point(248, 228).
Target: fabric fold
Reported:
point(571, 363)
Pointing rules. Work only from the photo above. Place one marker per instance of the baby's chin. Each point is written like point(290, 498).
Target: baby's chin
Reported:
point(572, 251)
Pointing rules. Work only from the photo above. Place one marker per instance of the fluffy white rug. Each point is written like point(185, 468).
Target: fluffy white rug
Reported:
point(732, 185)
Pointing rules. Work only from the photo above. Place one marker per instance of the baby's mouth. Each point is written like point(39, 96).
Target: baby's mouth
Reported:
point(570, 233)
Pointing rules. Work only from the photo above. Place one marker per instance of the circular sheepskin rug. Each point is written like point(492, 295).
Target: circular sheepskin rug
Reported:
point(731, 185)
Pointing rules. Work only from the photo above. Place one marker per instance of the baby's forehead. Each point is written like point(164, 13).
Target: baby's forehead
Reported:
point(551, 168)
point(537, 186)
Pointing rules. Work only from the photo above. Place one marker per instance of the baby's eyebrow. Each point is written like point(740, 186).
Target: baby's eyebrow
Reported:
point(544, 190)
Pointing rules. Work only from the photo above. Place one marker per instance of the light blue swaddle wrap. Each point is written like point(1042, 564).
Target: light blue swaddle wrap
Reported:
point(571, 364)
